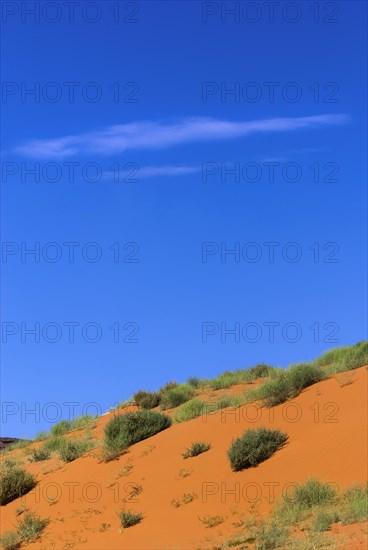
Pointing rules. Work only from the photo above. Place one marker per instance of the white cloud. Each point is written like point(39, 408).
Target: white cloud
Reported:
point(151, 135)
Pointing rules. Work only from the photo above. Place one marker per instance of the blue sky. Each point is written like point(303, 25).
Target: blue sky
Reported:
point(161, 114)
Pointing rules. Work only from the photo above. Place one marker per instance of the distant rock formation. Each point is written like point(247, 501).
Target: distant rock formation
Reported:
point(5, 441)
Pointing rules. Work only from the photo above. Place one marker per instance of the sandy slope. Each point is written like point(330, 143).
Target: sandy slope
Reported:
point(326, 424)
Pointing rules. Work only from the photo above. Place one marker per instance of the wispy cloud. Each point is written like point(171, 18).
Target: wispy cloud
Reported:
point(161, 135)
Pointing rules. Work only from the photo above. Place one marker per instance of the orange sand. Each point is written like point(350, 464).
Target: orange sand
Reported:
point(327, 427)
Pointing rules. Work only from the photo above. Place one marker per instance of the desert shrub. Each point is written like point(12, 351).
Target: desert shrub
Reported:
point(14, 482)
point(192, 409)
point(17, 445)
point(71, 449)
point(186, 498)
point(344, 358)
point(30, 527)
point(128, 403)
point(276, 391)
point(211, 521)
point(61, 428)
point(260, 371)
point(176, 396)
point(268, 534)
point(146, 399)
point(303, 375)
point(42, 453)
point(254, 446)
point(10, 540)
point(40, 436)
point(84, 421)
point(289, 383)
point(227, 401)
point(312, 493)
point(127, 429)
point(230, 378)
point(129, 518)
point(196, 448)
point(323, 520)
point(168, 386)
point(54, 443)
point(354, 505)
point(194, 381)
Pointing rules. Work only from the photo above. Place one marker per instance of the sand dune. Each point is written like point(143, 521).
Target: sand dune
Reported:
point(326, 425)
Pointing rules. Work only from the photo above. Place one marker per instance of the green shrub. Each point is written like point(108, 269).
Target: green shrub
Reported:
point(312, 493)
point(197, 448)
point(41, 436)
point(344, 358)
point(14, 482)
point(260, 371)
point(168, 386)
point(128, 403)
point(30, 527)
point(303, 375)
point(10, 540)
point(129, 518)
point(17, 445)
point(323, 520)
point(82, 422)
point(276, 391)
point(227, 401)
point(146, 399)
point(229, 378)
point(61, 428)
point(254, 446)
point(354, 505)
point(192, 409)
point(289, 383)
point(42, 453)
point(176, 396)
point(194, 381)
point(72, 449)
point(54, 443)
point(131, 427)
point(268, 534)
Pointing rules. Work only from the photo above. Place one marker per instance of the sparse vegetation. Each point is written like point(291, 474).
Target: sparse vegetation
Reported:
point(85, 421)
point(61, 428)
point(175, 396)
point(21, 444)
point(73, 449)
point(197, 448)
point(195, 382)
point(186, 498)
point(10, 540)
point(354, 504)
point(146, 399)
point(344, 358)
point(54, 443)
point(289, 383)
point(40, 436)
point(14, 482)
point(127, 403)
point(267, 534)
point(254, 446)
point(31, 526)
point(183, 473)
point(126, 429)
point(211, 521)
point(40, 454)
point(312, 493)
point(129, 518)
point(193, 408)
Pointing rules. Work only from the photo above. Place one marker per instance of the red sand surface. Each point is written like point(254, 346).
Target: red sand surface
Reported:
point(327, 429)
